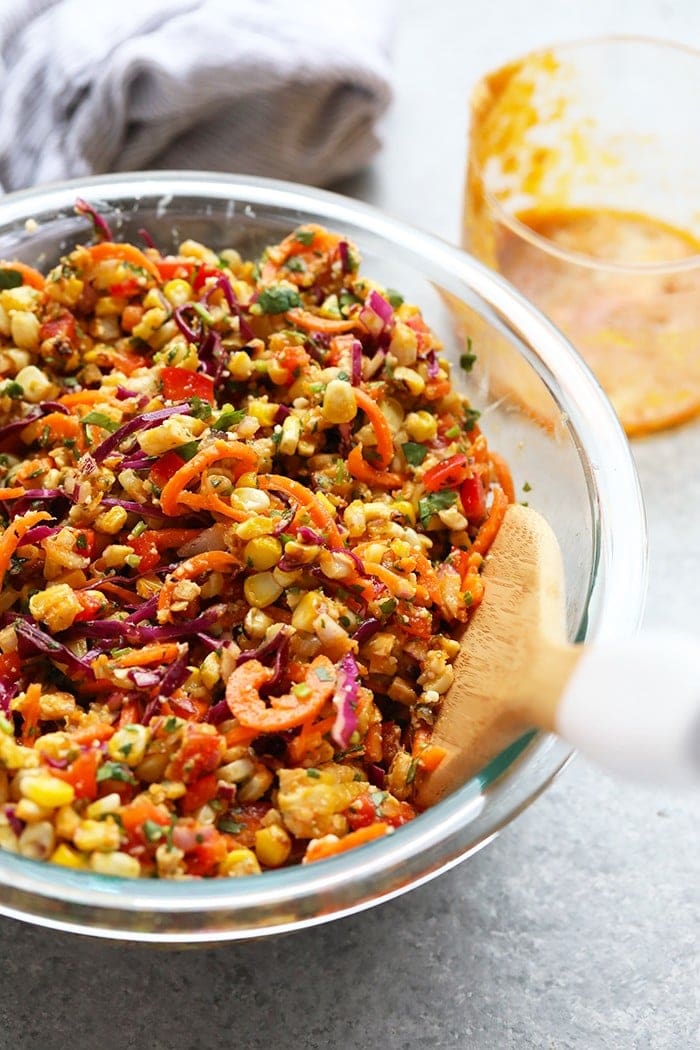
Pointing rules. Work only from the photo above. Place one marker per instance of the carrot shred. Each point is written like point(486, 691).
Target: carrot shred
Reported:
point(29, 275)
point(307, 499)
point(85, 397)
point(58, 426)
point(321, 849)
point(155, 653)
point(30, 712)
point(12, 537)
point(503, 475)
point(380, 425)
point(313, 323)
point(489, 530)
point(195, 467)
point(12, 493)
point(361, 470)
point(207, 561)
point(128, 253)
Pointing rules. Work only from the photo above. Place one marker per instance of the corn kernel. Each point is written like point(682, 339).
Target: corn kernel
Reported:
point(272, 846)
point(264, 411)
point(68, 857)
point(339, 405)
point(115, 555)
point(23, 297)
point(170, 434)
point(404, 344)
point(256, 786)
point(57, 606)
point(240, 366)
point(237, 771)
point(413, 380)
point(66, 822)
point(111, 521)
point(306, 611)
point(239, 862)
point(37, 841)
point(35, 384)
point(100, 835)
point(263, 552)
point(254, 527)
point(325, 503)
point(149, 323)
point(261, 590)
point(250, 500)
point(101, 807)
point(355, 518)
point(291, 432)
point(129, 744)
point(48, 791)
point(210, 670)
point(30, 812)
point(118, 864)
point(421, 426)
point(177, 291)
point(406, 510)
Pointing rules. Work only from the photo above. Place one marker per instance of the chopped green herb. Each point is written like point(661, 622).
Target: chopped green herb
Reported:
point(188, 450)
point(231, 827)
point(115, 771)
point(171, 724)
point(527, 487)
point(13, 390)
point(414, 453)
point(153, 832)
point(229, 417)
point(278, 300)
point(305, 237)
point(432, 503)
point(81, 542)
point(388, 606)
point(412, 770)
point(468, 598)
point(99, 419)
point(200, 409)
point(10, 278)
point(323, 675)
point(471, 415)
point(343, 376)
point(139, 529)
point(313, 773)
point(468, 358)
point(346, 300)
point(394, 297)
point(295, 265)
point(453, 432)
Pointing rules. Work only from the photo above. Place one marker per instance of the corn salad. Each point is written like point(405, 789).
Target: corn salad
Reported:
point(244, 513)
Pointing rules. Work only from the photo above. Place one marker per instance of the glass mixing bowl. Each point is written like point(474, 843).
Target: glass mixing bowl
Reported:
point(541, 408)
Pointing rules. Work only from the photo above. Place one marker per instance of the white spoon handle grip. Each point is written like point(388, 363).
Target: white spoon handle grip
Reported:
point(634, 708)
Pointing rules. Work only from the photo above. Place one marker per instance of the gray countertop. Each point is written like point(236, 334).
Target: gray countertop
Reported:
point(578, 928)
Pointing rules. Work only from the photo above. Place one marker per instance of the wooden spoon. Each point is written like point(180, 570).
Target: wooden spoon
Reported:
point(631, 705)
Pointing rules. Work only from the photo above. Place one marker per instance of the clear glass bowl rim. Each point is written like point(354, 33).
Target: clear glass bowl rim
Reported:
point(293, 898)
point(526, 233)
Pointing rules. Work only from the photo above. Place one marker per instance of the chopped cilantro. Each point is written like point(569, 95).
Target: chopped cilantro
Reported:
point(295, 265)
point(13, 390)
point(200, 409)
point(188, 450)
point(414, 453)
point(81, 542)
point(394, 297)
point(471, 415)
point(154, 832)
point(170, 724)
point(229, 417)
point(278, 300)
point(115, 771)
point(313, 773)
point(433, 502)
point(99, 419)
point(10, 278)
point(527, 487)
point(388, 606)
point(305, 237)
point(468, 358)
point(231, 827)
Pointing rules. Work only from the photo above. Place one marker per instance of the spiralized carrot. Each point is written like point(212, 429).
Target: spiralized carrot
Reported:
point(128, 253)
point(363, 471)
point(12, 493)
point(322, 849)
point(235, 450)
point(489, 530)
point(157, 653)
point(309, 322)
point(380, 425)
point(503, 475)
point(305, 498)
point(207, 561)
point(12, 537)
point(28, 274)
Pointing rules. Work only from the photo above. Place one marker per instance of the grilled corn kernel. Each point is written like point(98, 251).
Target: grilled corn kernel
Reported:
point(210, 670)
point(170, 434)
point(253, 527)
point(263, 552)
point(291, 432)
point(256, 623)
point(335, 565)
point(261, 590)
point(406, 510)
point(115, 555)
point(30, 812)
point(22, 298)
point(256, 786)
point(57, 606)
point(355, 518)
point(66, 822)
point(129, 744)
point(111, 521)
point(236, 772)
point(272, 846)
point(35, 384)
point(48, 791)
point(101, 807)
point(339, 405)
point(239, 862)
point(264, 411)
point(68, 857)
point(149, 323)
point(37, 841)
point(240, 366)
point(100, 835)
point(412, 379)
point(404, 344)
point(121, 865)
point(306, 611)
point(421, 426)
point(177, 291)
point(250, 500)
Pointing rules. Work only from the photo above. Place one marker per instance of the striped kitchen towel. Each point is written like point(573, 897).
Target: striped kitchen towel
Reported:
point(286, 89)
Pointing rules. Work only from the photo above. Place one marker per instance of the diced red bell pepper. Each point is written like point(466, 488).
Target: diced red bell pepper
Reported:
point(162, 471)
point(146, 549)
point(182, 383)
point(448, 474)
point(473, 498)
point(82, 773)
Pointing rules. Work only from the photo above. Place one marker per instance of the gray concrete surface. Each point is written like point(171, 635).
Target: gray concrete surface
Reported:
point(579, 927)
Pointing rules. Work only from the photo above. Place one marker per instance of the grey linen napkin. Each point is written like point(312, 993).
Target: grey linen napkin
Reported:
point(286, 89)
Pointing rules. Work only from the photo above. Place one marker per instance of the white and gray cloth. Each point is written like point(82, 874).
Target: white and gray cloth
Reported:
point(285, 88)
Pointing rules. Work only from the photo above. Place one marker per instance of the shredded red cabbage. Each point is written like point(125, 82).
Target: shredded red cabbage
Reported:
point(376, 776)
point(281, 413)
point(13, 820)
point(31, 639)
point(345, 701)
point(261, 652)
point(308, 535)
point(40, 532)
point(54, 406)
point(366, 629)
point(218, 713)
point(175, 675)
point(279, 667)
point(123, 393)
point(99, 224)
point(376, 314)
point(142, 422)
point(234, 306)
point(8, 691)
point(433, 367)
point(144, 678)
point(23, 503)
point(133, 633)
point(146, 510)
point(344, 253)
point(146, 238)
point(356, 376)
